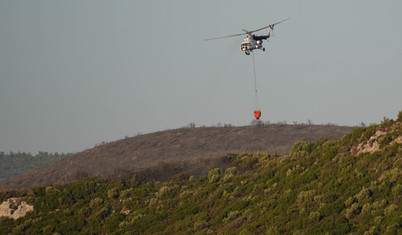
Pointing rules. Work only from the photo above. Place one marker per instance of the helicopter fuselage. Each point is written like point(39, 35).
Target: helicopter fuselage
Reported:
point(252, 42)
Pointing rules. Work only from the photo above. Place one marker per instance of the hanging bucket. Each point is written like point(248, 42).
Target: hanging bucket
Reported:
point(257, 114)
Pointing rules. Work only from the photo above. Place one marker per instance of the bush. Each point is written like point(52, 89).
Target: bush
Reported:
point(163, 191)
point(113, 221)
point(273, 231)
point(96, 202)
point(352, 211)
point(214, 175)
point(113, 193)
point(315, 216)
point(319, 195)
point(305, 196)
point(5, 221)
point(301, 149)
point(364, 193)
point(349, 201)
point(390, 210)
point(399, 116)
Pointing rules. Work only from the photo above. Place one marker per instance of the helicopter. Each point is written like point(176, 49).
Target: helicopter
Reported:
point(252, 42)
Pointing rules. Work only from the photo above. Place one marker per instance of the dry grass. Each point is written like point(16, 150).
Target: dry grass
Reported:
point(160, 155)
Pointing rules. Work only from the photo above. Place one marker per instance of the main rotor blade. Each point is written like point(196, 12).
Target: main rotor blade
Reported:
point(271, 25)
point(228, 36)
point(246, 31)
point(280, 21)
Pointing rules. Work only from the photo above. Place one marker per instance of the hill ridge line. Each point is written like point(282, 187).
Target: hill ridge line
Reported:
point(204, 146)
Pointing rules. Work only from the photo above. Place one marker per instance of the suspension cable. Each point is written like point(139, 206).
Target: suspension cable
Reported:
point(257, 110)
point(255, 76)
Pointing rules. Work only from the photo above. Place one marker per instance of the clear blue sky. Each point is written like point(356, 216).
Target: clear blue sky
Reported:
point(76, 73)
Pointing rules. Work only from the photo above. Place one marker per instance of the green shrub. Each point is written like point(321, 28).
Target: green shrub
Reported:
point(163, 191)
point(363, 194)
point(399, 119)
point(390, 210)
point(113, 193)
point(96, 202)
point(352, 211)
point(315, 216)
point(385, 140)
point(230, 172)
point(214, 175)
point(321, 189)
point(301, 149)
point(112, 222)
point(273, 231)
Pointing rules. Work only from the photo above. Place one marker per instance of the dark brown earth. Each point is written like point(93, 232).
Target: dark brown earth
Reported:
point(160, 155)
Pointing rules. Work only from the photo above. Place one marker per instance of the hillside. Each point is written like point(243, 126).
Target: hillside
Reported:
point(327, 187)
point(162, 154)
point(13, 164)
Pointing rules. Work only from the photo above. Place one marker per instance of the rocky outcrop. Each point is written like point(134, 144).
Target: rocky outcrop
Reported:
point(14, 208)
point(372, 145)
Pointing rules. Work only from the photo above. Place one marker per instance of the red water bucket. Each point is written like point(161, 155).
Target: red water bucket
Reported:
point(257, 114)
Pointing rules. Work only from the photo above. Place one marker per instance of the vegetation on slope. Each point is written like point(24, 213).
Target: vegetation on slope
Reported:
point(317, 188)
point(193, 150)
point(13, 164)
